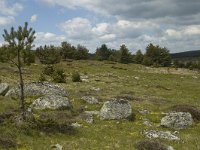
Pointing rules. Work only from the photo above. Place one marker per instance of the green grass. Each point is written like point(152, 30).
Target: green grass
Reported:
point(156, 90)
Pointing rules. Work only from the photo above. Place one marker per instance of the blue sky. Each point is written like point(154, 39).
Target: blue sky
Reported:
point(136, 23)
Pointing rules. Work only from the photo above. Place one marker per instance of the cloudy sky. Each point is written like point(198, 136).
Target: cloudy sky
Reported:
point(174, 24)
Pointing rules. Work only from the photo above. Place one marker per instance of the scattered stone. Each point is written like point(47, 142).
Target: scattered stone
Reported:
point(76, 125)
point(87, 117)
point(90, 99)
point(116, 109)
point(137, 78)
point(144, 111)
point(95, 89)
point(170, 148)
point(146, 122)
point(194, 77)
point(85, 80)
point(95, 112)
point(84, 77)
point(177, 120)
point(51, 102)
point(153, 134)
point(38, 89)
point(4, 87)
point(57, 147)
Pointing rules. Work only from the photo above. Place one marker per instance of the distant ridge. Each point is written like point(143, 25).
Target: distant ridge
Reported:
point(186, 54)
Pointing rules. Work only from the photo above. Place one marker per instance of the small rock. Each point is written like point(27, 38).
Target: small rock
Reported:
point(85, 80)
point(4, 87)
point(95, 89)
point(194, 77)
point(177, 120)
point(57, 147)
point(152, 134)
point(144, 111)
point(170, 148)
point(90, 99)
point(87, 117)
point(95, 112)
point(84, 77)
point(146, 122)
point(137, 78)
point(76, 125)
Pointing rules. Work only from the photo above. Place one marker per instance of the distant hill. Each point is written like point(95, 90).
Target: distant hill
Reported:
point(187, 54)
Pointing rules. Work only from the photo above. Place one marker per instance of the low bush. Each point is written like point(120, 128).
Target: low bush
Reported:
point(7, 142)
point(76, 77)
point(42, 77)
point(48, 70)
point(150, 145)
point(59, 76)
point(188, 108)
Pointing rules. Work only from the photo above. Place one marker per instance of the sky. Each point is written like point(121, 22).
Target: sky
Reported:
point(174, 24)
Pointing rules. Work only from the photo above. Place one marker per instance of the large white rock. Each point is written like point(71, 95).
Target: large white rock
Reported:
point(177, 120)
point(4, 87)
point(38, 89)
point(116, 109)
point(51, 102)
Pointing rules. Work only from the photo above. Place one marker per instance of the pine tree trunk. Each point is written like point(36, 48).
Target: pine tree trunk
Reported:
point(22, 106)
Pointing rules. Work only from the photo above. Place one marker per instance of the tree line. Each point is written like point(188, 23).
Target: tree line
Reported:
point(50, 54)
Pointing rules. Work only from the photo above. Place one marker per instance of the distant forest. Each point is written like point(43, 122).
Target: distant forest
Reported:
point(187, 54)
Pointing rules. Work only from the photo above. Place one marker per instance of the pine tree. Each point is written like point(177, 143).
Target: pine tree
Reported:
point(125, 56)
point(19, 41)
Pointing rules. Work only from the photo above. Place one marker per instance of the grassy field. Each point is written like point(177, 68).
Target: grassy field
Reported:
point(154, 89)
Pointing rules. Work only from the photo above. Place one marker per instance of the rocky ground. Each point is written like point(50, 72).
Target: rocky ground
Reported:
point(112, 108)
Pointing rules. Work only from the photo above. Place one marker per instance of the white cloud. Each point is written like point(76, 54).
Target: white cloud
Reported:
point(8, 8)
point(34, 18)
point(6, 20)
point(48, 38)
point(170, 23)
point(77, 28)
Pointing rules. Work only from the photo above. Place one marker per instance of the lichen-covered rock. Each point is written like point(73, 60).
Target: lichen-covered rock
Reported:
point(38, 89)
point(116, 109)
point(51, 102)
point(153, 134)
point(4, 87)
point(177, 120)
point(90, 99)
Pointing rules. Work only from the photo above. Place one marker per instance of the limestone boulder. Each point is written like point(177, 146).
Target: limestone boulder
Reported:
point(51, 102)
point(116, 109)
point(177, 120)
point(38, 89)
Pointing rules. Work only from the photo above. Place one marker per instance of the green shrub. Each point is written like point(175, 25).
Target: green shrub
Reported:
point(42, 77)
point(7, 142)
point(59, 76)
point(150, 145)
point(187, 108)
point(76, 77)
point(48, 70)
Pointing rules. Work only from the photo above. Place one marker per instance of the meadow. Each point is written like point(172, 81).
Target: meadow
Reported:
point(153, 89)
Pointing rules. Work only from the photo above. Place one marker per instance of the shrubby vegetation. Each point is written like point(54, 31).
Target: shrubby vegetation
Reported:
point(76, 77)
point(156, 56)
point(48, 54)
point(56, 74)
